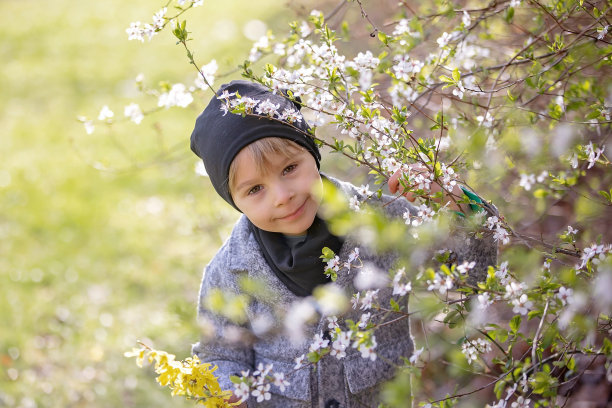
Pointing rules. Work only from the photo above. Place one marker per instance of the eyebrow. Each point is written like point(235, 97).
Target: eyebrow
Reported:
point(245, 183)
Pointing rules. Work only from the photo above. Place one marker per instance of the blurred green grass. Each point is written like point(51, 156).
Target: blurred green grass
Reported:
point(93, 260)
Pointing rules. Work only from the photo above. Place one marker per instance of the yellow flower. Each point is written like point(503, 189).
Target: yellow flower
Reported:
point(188, 377)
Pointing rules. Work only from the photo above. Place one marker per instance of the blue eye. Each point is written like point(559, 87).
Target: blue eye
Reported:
point(289, 169)
point(254, 190)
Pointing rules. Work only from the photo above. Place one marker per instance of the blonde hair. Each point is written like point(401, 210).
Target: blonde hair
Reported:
point(261, 150)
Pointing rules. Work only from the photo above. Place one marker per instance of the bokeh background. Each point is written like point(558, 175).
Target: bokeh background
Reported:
point(103, 236)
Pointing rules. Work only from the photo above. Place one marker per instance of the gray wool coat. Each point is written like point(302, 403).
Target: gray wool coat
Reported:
point(349, 382)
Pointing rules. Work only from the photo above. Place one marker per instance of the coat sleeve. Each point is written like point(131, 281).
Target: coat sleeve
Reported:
point(465, 246)
point(223, 342)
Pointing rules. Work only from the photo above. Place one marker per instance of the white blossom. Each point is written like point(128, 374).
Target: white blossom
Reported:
point(340, 345)
point(574, 160)
point(134, 32)
point(564, 295)
point(486, 121)
point(177, 96)
point(542, 176)
point(484, 300)
point(262, 370)
point(207, 74)
point(353, 255)
point(280, 381)
point(403, 27)
point(370, 277)
point(262, 392)
point(593, 252)
point(593, 154)
point(267, 108)
point(291, 116)
point(527, 180)
point(444, 39)
point(501, 235)
point(355, 300)
point(416, 355)
point(459, 91)
point(521, 304)
point(363, 320)
point(133, 112)
point(398, 287)
point(332, 322)
point(465, 267)
point(299, 361)
point(404, 67)
point(242, 391)
point(441, 283)
point(89, 126)
point(368, 299)
point(300, 313)
point(472, 348)
point(364, 190)
point(514, 290)
point(571, 231)
point(499, 404)
point(502, 273)
point(520, 401)
point(354, 203)
point(105, 113)
point(318, 343)
point(334, 264)
point(159, 18)
point(368, 351)
point(465, 19)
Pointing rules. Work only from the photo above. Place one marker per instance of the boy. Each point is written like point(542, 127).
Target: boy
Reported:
point(269, 171)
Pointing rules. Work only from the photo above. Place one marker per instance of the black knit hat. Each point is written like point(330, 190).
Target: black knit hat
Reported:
point(218, 135)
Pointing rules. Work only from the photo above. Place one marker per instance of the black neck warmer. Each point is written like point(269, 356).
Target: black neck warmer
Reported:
point(300, 269)
point(219, 136)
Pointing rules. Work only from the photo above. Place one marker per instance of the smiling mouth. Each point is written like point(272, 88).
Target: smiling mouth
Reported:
point(294, 214)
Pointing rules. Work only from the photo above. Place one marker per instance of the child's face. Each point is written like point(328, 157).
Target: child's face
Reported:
point(283, 198)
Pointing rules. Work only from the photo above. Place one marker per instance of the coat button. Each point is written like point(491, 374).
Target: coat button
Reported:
point(332, 403)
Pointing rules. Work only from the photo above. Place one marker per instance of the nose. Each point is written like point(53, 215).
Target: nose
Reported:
point(283, 194)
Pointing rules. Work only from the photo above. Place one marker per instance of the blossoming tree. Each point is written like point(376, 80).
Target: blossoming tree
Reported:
point(512, 98)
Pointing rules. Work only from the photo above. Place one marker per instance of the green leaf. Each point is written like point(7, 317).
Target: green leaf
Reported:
point(509, 14)
point(500, 386)
point(327, 253)
point(540, 193)
point(593, 115)
point(456, 75)
point(515, 323)
point(510, 96)
point(384, 38)
point(446, 79)
point(607, 346)
point(606, 195)
point(543, 383)
point(394, 305)
point(571, 363)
